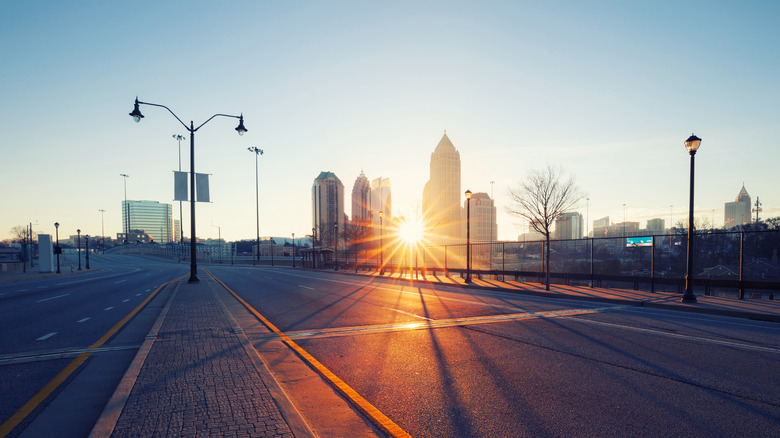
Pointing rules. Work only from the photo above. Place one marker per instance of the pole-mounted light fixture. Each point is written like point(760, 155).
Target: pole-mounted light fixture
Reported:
point(692, 145)
point(137, 116)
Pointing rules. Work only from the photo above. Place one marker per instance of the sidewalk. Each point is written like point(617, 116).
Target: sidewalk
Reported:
point(194, 376)
point(764, 310)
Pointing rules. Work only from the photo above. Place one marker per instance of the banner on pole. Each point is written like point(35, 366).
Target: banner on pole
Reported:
point(180, 192)
point(202, 187)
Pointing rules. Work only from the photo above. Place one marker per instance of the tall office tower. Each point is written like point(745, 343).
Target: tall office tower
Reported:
point(569, 226)
point(381, 199)
point(442, 196)
point(361, 201)
point(656, 225)
point(738, 213)
point(327, 197)
point(154, 218)
point(483, 218)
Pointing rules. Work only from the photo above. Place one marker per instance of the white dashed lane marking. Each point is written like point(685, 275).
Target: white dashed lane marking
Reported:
point(52, 298)
point(46, 336)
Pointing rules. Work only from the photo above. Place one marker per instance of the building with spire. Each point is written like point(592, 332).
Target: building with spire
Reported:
point(361, 201)
point(442, 196)
point(328, 218)
point(738, 212)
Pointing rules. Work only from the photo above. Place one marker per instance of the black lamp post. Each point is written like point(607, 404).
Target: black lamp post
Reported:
point(381, 242)
point(179, 138)
point(79, 247)
point(137, 116)
point(313, 253)
point(57, 250)
point(468, 236)
point(293, 234)
point(127, 208)
point(336, 246)
point(86, 239)
point(692, 144)
point(257, 196)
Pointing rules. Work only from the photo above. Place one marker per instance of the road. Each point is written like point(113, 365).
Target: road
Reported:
point(441, 361)
point(46, 322)
point(450, 362)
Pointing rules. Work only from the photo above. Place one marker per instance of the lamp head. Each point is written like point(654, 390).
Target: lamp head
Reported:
point(78, 231)
point(381, 214)
point(56, 225)
point(136, 114)
point(240, 128)
point(692, 144)
point(468, 194)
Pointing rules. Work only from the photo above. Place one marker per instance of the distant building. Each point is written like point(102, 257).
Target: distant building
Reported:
point(483, 218)
point(442, 196)
point(153, 218)
point(381, 199)
point(738, 212)
point(361, 201)
point(327, 196)
point(569, 226)
point(656, 226)
point(600, 226)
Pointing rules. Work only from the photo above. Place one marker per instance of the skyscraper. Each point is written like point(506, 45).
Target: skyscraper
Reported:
point(483, 212)
point(738, 213)
point(381, 199)
point(154, 218)
point(569, 226)
point(327, 196)
point(361, 201)
point(442, 195)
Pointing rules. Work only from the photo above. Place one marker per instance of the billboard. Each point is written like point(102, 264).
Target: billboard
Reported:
point(639, 241)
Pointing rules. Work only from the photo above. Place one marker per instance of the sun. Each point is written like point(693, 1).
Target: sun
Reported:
point(411, 232)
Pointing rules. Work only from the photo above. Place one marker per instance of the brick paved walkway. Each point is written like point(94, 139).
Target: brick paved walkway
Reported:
point(197, 379)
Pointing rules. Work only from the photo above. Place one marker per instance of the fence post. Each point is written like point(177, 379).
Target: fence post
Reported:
point(591, 262)
point(652, 266)
point(741, 263)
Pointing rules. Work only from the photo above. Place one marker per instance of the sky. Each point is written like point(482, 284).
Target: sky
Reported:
point(608, 90)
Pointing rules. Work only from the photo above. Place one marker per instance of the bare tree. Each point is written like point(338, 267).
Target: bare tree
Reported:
point(19, 233)
point(541, 198)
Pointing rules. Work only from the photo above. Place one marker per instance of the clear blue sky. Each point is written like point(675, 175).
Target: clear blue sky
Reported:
point(608, 90)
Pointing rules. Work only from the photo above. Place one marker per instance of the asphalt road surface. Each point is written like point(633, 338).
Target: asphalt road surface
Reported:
point(439, 362)
point(451, 362)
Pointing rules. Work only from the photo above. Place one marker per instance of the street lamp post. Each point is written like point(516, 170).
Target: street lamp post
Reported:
point(79, 247)
point(257, 195)
point(293, 234)
point(313, 252)
point(103, 229)
point(336, 246)
point(57, 250)
point(468, 236)
point(86, 239)
point(137, 116)
point(179, 138)
point(381, 243)
point(127, 208)
point(692, 145)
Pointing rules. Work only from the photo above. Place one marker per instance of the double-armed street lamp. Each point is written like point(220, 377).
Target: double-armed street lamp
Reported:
point(468, 236)
point(257, 152)
point(79, 247)
point(137, 116)
point(692, 145)
point(57, 249)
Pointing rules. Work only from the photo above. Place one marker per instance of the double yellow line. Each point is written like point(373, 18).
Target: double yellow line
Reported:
point(50, 387)
point(377, 417)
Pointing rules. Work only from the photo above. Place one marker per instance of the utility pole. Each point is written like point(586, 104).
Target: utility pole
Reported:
point(758, 209)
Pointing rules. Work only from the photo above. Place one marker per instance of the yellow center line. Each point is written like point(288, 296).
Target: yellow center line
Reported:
point(50, 387)
point(380, 420)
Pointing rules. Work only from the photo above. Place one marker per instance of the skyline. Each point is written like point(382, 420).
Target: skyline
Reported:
point(608, 91)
